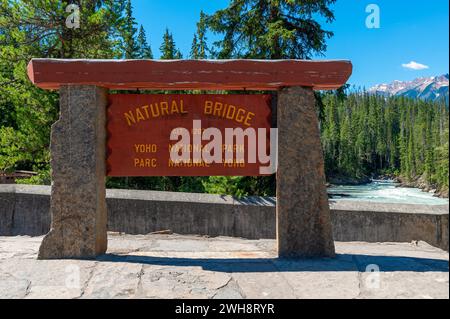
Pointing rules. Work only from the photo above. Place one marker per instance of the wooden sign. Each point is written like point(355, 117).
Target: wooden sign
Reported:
point(188, 135)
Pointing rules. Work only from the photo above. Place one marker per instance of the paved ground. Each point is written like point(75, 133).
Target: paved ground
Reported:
point(174, 266)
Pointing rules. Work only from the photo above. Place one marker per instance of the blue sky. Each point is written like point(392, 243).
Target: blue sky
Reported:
point(409, 31)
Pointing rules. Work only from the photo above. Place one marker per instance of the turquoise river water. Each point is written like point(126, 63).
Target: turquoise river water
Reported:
point(385, 192)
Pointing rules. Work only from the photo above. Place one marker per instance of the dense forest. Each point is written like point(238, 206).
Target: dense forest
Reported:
point(366, 135)
point(362, 135)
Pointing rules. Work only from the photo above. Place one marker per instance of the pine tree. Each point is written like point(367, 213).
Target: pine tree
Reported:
point(201, 35)
point(41, 25)
point(129, 33)
point(271, 29)
point(365, 134)
point(30, 29)
point(199, 46)
point(168, 48)
point(178, 55)
point(144, 49)
point(194, 48)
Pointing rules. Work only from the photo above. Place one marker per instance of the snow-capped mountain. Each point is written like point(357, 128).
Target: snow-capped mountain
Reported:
point(429, 88)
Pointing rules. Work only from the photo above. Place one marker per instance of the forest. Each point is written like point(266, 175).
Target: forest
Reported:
point(366, 136)
point(363, 135)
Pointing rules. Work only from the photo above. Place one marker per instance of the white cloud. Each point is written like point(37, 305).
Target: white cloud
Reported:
point(415, 66)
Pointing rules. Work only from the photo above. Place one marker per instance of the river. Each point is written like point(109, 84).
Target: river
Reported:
point(385, 192)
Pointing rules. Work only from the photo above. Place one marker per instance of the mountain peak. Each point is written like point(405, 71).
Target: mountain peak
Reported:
point(427, 88)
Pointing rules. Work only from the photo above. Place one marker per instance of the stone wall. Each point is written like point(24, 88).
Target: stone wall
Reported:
point(24, 210)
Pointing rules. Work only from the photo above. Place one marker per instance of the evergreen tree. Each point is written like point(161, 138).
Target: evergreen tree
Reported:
point(194, 48)
point(30, 29)
point(271, 29)
point(168, 48)
point(199, 43)
point(41, 26)
point(365, 134)
point(144, 49)
point(178, 55)
point(129, 33)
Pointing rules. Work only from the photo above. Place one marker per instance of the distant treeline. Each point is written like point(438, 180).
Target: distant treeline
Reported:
point(365, 134)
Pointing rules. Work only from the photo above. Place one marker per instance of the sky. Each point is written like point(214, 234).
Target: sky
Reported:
point(412, 39)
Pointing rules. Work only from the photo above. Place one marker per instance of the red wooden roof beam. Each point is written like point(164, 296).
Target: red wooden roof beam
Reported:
point(190, 74)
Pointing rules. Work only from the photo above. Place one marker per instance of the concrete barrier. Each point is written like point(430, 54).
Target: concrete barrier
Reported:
point(24, 210)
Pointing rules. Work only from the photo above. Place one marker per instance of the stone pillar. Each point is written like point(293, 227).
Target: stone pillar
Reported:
point(303, 215)
point(78, 200)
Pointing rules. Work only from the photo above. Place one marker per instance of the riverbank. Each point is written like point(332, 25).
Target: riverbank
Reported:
point(421, 183)
point(346, 180)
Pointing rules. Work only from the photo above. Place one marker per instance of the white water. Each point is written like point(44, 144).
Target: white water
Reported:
point(385, 192)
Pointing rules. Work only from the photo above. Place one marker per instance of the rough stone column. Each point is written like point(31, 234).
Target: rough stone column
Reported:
point(303, 215)
point(78, 200)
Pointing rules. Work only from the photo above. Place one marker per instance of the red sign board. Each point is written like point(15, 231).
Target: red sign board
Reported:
point(188, 135)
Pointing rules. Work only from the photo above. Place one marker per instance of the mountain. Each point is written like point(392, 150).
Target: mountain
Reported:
point(430, 88)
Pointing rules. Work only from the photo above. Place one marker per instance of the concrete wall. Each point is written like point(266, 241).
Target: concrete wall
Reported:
point(24, 210)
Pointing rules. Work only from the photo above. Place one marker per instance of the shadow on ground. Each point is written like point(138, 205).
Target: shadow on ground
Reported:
point(342, 262)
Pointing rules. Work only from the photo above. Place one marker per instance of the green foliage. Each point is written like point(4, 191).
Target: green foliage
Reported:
point(144, 50)
point(199, 45)
point(168, 48)
point(224, 185)
point(43, 178)
point(166, 183)
point(37, 28)
point(240, 185)
point(365, 134)
point(271, 29)
point(129, 33)
point(178, 55)
point(194, 48)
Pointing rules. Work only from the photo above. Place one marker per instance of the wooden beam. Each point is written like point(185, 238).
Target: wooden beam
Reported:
point(190, 74)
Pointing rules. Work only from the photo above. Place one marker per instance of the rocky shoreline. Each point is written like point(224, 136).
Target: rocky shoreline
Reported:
point(421, 183)
point(345, 180)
